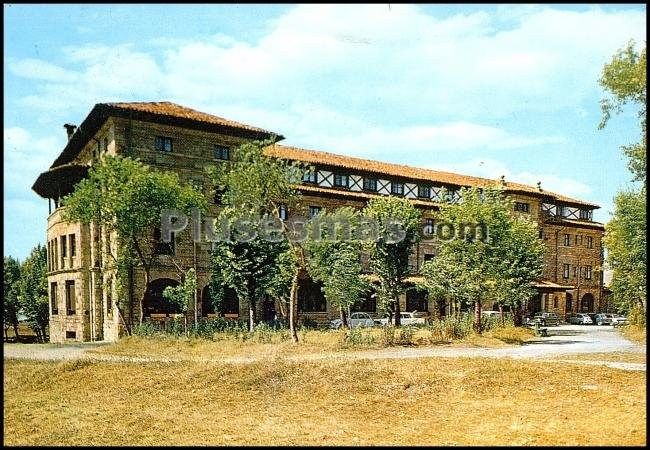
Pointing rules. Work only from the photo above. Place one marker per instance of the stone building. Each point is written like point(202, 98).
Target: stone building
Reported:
point(172, 137)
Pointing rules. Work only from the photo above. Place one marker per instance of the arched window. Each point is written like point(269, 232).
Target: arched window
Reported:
point(154, 302)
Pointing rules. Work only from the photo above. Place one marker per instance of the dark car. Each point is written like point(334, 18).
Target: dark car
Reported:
point(545, 318)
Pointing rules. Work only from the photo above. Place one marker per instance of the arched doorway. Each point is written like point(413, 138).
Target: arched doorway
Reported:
point(154, 302)
point(229, 303)
point(587, 303)
point(569, 303)
point(416, 300)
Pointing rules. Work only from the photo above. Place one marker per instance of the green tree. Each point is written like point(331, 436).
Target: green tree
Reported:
point(251, 267)
point(625, 239)
point(254, 186)
point(11, 293)
point(126, 197)
point(624, 78)
point(398, 225)
point(184, 294)
point(335, 257)
point(492, 255)
point(33, 291)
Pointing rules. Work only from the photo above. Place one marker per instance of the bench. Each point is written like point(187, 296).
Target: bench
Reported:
point(543, 332)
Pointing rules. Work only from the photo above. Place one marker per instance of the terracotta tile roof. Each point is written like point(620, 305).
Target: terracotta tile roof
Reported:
point(546, 284)
point(576, 223)
point(170, 109)
point(399, 170)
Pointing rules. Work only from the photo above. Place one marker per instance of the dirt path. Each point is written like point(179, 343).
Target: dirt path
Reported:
point(562, 341)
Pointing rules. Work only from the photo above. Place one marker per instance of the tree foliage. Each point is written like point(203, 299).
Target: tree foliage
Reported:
point(624, 78)
point(33, 290)
point(493, 255)
point(125, 196)
point(251, 267)
point(626, 239)
point(11, 301)
point(335, 257)
point(252, 187)
point(398, 225)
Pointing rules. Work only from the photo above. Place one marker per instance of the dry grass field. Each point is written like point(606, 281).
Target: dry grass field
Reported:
point(429, 401)
point(278, 344)
point(634, 333)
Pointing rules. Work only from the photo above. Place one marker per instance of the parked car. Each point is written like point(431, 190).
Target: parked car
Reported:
point(579, 319)
point(618, 320)
point(593, 317)
point(406, 318)
point(545, 318)
point(357, 319)
point(604, 319)
point(490, 313)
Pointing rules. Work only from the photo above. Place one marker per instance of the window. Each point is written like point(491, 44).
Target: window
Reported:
point(567, 240)
point(218, 196)
point(309, 177)
point(71, 335)
point(73, 245)
point(588, 272)
point(314, 211)
point(56, 254)
point(282, 212)
point(424, 192)
point(340, 180)
point(567, 268)
point(163, 144)
point(521, 207)
point(70, 300)
point(221, 152)
point(428, 226)
point(590, 242)
point(428, 256)
point(163, 248)
point(310, 297)
point(368, 303)
point(397, 188)
point(53, 299)
point(370, 184)
point(575, 271)
point(585, 214)
point(541, 233)
point(64, 246)
point(416, 300)
point(578, 240)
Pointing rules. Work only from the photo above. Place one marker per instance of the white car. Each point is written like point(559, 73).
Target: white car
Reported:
point(406, 318)
point(618, 320)
point(580, 319)
point(357, 319)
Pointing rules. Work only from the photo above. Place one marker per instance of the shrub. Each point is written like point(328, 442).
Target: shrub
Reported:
point(637, 316)
point(307, 323)
point(358, 337)
point(387, 336)
point(406, 335)
point(147, 329)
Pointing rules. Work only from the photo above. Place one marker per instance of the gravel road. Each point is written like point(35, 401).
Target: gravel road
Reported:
point(563, 340)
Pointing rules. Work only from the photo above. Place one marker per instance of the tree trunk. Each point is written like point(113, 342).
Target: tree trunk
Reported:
point(251, 315)
point(344, 318)
point(477, 317)
point(293, 302)
point(146, 286)
point(127, 328)
point(398, 321)
point(517, 319)
point(503, 318)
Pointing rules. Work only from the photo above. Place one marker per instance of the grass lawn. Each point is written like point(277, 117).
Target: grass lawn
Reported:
point(431, 401)
point(634, 333)
point(311, 342)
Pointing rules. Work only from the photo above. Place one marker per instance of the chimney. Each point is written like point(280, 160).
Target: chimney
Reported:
point(539, 186)
point(70, 129)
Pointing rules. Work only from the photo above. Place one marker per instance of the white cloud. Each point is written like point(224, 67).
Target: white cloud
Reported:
point(494, 169)
point(41, 70)
point(26, 156)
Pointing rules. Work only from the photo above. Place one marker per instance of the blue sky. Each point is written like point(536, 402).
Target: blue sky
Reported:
point(483, 90)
